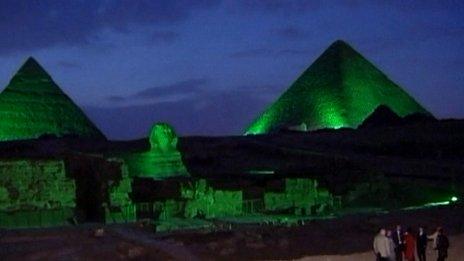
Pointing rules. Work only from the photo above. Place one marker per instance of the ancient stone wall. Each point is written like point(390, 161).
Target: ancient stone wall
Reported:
point(300, 196)
point(121, 208)
point(198, 199)
point(35, 193)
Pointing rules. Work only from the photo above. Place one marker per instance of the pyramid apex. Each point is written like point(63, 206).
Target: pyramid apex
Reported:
point(31, 59)
point(340, 45)
point(340, 42)
point(31, 66)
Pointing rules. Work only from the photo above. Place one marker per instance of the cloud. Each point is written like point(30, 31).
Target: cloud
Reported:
point(278, 6)
point(293, 52)
point(164, 36)
point(259, 52)
point(266, 52)
point(177, 91)
point(426, 5)
point(32, 25)
point(434, 31)
point(116, 98)
point(189, 86)
point(68, 64)
point(211, 112)
point(291, 33)
point(304, 6)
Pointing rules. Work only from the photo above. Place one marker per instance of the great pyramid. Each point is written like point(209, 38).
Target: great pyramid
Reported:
point(32, 105)
point(340, 89)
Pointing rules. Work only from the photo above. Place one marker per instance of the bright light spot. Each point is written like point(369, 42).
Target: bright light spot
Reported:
point(454, 199)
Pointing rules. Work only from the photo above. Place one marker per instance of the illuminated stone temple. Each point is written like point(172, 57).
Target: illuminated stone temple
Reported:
point(340, 89)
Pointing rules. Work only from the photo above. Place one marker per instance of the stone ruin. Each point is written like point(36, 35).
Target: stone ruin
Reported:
point(35, 193)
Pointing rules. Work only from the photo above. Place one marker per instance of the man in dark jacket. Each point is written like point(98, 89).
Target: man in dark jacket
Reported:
point(398, 239)
point(442, 245)
point(421, 244)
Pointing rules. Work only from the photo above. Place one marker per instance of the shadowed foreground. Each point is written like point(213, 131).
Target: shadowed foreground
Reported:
point(455, 252)
point(344, 238)
point(340, 236)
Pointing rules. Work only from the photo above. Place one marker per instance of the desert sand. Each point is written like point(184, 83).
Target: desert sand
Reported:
point(456, 253)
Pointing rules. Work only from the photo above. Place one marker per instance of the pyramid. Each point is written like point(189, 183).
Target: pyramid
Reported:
point(340, 89)
point(32, 105)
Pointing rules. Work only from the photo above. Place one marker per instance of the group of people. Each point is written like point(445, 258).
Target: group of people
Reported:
point(394, 245)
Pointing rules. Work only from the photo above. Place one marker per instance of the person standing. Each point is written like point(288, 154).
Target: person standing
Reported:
point(434, 237)
point(410, 245)
point(421, 244)
point(442, 245)
point(381, 248)
point(398, 239)
point(391, 246)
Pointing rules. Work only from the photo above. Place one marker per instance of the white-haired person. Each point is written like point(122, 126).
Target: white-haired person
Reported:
point(381, 246)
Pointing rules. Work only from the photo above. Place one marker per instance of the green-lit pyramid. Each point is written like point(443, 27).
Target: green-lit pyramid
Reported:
point(33, 105)
point(340, 89)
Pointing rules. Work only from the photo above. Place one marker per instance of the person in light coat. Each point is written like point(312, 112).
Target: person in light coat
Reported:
point(381, 246)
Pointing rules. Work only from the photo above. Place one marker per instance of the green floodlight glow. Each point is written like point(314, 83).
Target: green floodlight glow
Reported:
point(454, 199)
point(340, 89)
point(433, 204)
point(33, 105)
point(162, 160)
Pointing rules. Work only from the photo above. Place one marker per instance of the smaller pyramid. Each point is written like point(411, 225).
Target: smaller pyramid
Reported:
point(382, 117)
point(33, 105)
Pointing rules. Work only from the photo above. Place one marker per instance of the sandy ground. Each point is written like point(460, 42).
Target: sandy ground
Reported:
point(74, 243)
point(456, 253)
point(344, 238)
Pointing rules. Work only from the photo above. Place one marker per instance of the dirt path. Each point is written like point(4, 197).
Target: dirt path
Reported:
point(344, 238)
point(175, 250)
point(456, 253)
point(76, 243)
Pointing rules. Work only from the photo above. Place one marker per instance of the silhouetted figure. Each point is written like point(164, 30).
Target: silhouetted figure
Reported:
point(410, 245)
point(421, 244)
point(398, 239)
point(442, 245)
point(381, 247)
point(391, 246)
point(434, 237)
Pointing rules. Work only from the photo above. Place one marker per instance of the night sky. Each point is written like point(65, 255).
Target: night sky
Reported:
point(210, 67)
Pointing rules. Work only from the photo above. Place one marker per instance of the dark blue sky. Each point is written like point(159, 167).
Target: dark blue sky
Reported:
point(209, 67)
